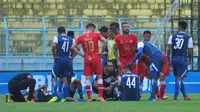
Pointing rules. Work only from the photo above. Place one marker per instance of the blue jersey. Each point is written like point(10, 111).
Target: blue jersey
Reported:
point(130, 87)
point(149, 48)
point(64, 45)
point(180, 44)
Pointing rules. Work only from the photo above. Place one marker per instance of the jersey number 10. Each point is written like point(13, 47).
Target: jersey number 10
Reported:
point(65, 46)
point(130, 82)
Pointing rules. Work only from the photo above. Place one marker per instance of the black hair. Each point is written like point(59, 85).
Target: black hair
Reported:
point(127, 67)
point(106, 63)
point(182, 24)
point(124, 23)
point(61, 29)
point(147, 31)
point(113, 30)
point(114, 25)
point(103, 29)
point(70, 34)
point(90, 24)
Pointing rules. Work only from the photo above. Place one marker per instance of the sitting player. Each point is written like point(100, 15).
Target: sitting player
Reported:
point(75, 85)
point(129, 85)
point(109, 79)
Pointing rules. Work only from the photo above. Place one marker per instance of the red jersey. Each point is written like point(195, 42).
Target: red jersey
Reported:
point(126, 45)
point(89, 42)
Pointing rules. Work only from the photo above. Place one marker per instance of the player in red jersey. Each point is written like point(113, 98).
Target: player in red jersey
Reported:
point(125, 44)
point(92, 60)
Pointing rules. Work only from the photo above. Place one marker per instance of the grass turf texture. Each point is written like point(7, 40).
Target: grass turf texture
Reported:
point(117, 106)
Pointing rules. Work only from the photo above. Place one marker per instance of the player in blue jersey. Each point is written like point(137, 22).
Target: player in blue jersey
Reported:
point(155, 64)
point(181, 46)
point(129, 85)
point(61, 48)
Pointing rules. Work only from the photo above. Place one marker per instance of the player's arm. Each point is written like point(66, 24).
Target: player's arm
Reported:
point(116, 51)
point(74, 48)
point(55, 41)
point(190, 49)
point(169, 49)
point(140, 47)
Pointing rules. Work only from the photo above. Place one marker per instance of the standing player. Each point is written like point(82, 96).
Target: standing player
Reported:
point(181, 46)
point(92, 61)
point(165, 69)
point(115, 25)
point(156, 63)
point(125, 45)
point(129, 85)
point(61, 49)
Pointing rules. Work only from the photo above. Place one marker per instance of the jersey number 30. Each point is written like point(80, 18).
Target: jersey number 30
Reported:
point(130, 82)
point(179, 43)
point(65, 46)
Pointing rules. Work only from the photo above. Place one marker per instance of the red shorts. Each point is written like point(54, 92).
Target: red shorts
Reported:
point(142, 70)
point(92, 64)
point(165, 69)
point(124, 62)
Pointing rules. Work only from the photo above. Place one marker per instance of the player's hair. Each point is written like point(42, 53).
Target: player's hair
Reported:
point(70, 34)
point(103, 29)
point(106, 63)
point(182, 24)
point(112, 30)
point(61, 29)
point(114, 25)
point(90, 24)
point(124, 23)
point(146, 31)
point(127, 67)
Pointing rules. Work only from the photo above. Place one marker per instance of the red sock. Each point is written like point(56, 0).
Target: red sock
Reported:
point(88, 89)
point(100, 88)
point(162, 89)
point(157, 92)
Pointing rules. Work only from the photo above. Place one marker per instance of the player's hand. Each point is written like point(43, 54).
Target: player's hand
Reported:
point(55, 59)
point(101, 54)
point(119, 64)
point(70, 57)
point(82, 55)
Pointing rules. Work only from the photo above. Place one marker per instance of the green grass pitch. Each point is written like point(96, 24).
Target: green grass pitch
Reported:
point(141, 106)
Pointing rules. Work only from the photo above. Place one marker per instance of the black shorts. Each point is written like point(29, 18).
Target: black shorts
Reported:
point(105, 95)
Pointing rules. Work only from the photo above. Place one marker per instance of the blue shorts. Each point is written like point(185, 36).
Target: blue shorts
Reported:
point(156, 64)
point(61, 68)
point(180, 64)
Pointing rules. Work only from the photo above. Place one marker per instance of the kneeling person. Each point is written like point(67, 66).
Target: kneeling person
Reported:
point(129, 85)
point(20, 82)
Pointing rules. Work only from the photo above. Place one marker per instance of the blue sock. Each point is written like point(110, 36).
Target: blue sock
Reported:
point(183, 89)
point(153, 88)
point(66, 90)
point(80, 92)
point(54, 89)
point(177, 88)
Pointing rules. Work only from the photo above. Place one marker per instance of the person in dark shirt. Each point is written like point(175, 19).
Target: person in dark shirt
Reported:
point(20, 82)
point(109, 81)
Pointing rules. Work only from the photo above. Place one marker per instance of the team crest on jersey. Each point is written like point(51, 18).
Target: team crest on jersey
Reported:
point(131, 41)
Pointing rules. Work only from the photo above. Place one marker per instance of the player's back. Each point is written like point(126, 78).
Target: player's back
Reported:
point(180, 44)
point(150, 49)
point(89, 42)
point(130, 85)
point(64, 46)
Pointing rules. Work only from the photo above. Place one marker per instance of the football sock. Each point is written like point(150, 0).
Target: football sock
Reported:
point(183, 89)
point(80, 91)
point(157, 92)
point(65, 91)
point(177, 88)
point(153, 88)
point(100, 88)
point(88, 89)
point(54, 89)
point(162, 88)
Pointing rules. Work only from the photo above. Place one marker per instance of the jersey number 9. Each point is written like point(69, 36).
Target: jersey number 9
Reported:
point(130, 82)
point(65, 46)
